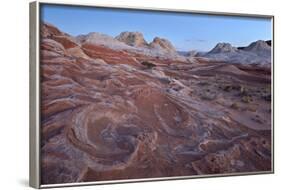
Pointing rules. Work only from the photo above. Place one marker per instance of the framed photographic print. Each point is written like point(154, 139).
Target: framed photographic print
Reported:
point(130, 94)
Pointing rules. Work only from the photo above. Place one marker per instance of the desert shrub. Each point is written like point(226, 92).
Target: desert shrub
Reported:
point(235, 105)
point(257, 119)
point(208, 95)
point(266, 93)
point(165, 80)
point(252, 108)
point(247, 99)
point(267, 97)
point(177, 88)
point(230, 87)
point(148, 64)
point(227, 88)
point(244, 91)
point(268, 88)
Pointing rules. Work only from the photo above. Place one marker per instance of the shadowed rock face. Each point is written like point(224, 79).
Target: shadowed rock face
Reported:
point(106, 116)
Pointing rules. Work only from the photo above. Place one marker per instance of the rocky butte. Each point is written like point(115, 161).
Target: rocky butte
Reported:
point(123, 108)
point(134, 39)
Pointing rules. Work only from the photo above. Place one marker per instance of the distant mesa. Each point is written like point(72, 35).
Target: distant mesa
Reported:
point(223, 48)
point(134, 39)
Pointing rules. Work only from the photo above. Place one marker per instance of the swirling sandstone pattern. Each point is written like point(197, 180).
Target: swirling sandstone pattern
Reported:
point(105, 116)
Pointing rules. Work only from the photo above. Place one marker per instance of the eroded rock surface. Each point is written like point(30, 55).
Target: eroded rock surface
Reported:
point(106, 115)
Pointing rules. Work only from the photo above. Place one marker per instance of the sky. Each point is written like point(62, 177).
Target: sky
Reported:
point(186, 31)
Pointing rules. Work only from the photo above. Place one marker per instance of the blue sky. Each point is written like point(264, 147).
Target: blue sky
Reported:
point(185, 31)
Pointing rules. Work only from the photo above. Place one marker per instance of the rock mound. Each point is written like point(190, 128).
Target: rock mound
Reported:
point(134, 39)
point(48, 30)
point(259, 45)
point(223, 48)
point(132, 42)
point(162, 44)
point(101, 39)
point(192, 53)
point(52, 32)
point(258, 52)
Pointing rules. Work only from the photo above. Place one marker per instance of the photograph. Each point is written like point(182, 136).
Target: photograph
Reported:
point(131, 94)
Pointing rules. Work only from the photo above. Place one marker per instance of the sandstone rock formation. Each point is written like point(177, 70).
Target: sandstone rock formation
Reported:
point(134, 43)
point(259, 45)
point(134, 39)
point(48, 30)
point(256, 53)
point(106, 116)
point(162, 44)
point(101, 40)
point(192, 53)
point(223, 48)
